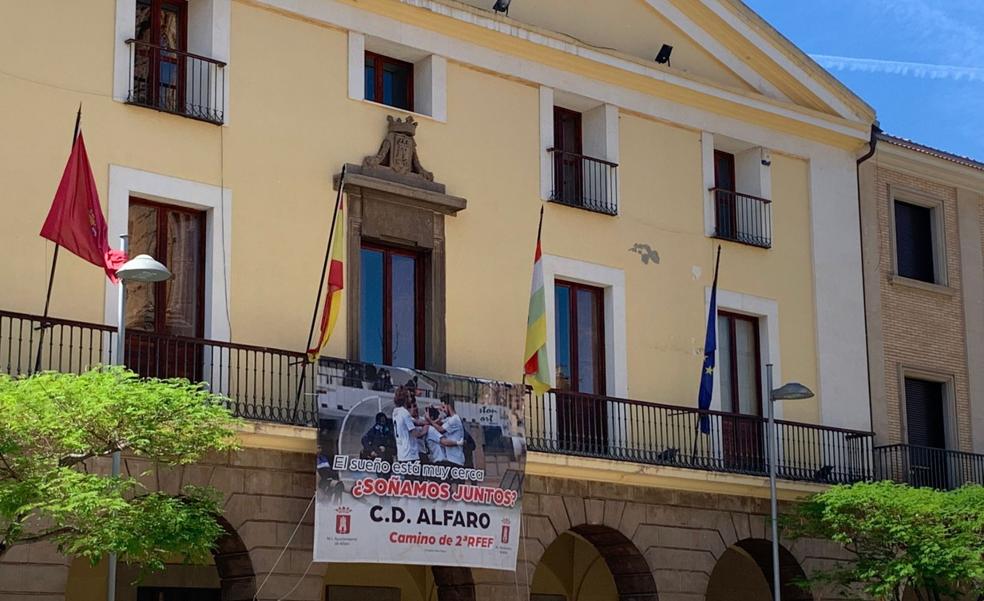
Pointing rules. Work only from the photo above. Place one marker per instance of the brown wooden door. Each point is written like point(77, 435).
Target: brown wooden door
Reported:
point(164, 319)
point(742, 432)
point(582, 421)
point(726, 202)
point(568, 170)
point(159, 75)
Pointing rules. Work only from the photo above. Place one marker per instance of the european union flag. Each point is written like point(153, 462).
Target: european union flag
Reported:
point(710, 347)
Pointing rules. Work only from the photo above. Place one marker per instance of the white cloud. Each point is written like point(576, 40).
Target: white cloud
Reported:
point(942, 26)
point(904, 69)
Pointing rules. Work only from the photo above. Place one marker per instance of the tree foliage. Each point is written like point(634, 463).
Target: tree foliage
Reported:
point(903, 538)
point(54, 429)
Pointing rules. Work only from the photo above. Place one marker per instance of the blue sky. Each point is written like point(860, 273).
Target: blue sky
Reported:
point(920, 63)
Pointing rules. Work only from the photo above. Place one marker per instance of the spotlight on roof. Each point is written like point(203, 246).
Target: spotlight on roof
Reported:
point(663, 57)
point(501, 6)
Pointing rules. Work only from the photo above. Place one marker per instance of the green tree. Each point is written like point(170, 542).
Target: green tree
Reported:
point(54, 427)
point(903, 538)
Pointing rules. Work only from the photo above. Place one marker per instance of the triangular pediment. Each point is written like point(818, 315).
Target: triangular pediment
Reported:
point(718, 41)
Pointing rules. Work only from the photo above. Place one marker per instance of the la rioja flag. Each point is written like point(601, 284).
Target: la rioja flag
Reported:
point(75, 219)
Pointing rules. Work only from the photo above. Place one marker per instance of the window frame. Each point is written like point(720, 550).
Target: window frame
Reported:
point(732, 317)
point(937, 222)
point(599, 294)
point(951, 421)
point(378, 61)
point(160, 288)
point(420, 329)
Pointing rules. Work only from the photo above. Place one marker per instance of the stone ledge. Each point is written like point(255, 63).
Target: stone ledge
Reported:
point(654, 476)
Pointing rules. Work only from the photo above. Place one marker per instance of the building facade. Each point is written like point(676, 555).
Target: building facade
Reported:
point(921, 213)
point(219, 132)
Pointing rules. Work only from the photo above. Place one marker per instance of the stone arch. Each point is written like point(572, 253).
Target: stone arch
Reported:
point(757, 552)
point(633, 580)
point(232, 562)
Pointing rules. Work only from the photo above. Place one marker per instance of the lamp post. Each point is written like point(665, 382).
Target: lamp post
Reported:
point(790, 391)
point(142, 268)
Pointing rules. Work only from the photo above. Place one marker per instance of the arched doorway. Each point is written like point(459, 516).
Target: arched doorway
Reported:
point(227, 577)
point(386, 582)
point(592, 563)
point(744, 573)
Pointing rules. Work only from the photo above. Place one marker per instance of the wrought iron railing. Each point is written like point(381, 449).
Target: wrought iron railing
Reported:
point(261, 383)
point(742, 218)
point(177, 82)
point(281, 386)
point(584, 182)
point(642, 432)
point(926, 466)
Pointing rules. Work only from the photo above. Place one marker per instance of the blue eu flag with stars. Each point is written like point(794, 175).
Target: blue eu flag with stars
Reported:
point(710, 347)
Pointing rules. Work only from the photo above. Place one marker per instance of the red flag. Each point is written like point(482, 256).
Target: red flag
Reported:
point(75, 220)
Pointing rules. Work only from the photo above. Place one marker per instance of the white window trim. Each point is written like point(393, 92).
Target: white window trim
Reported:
point(767, 312)
point(911, 196)
point(430, 81)
point(125, 182)
point(125, 29)
point(603, 145)
point(612, 281)
point(707, 170)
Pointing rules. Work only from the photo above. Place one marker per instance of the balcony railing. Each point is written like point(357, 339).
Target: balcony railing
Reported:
point(262, 383)
point(642, 432)
point(176, 82)
point(925, 466)
point(742, 218)
point(584, 182)
point(282, 386)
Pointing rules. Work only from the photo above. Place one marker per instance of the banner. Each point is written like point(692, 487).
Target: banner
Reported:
point(418, 468)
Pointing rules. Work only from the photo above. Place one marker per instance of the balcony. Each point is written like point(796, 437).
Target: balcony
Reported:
point(176, 82)
point(942, 469)
point(584, 182)
point(651, 433)
point(742, 218)
point(281, 386)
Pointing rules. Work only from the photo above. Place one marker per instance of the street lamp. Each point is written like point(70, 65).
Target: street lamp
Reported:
point(793, 391)
point(142, 268)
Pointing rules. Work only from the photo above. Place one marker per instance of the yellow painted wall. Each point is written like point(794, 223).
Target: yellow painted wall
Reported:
point(291, 126)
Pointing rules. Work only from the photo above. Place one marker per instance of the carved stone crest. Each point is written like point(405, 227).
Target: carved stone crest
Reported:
point(398, 152)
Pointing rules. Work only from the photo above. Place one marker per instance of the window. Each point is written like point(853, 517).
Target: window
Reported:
point(389, 81)
point(739, 368)
point(925, 418)
point(915, 242)
point(158, 71)
point(176, 237)
point(739, 364)
point(579, 180)
point(738, 177)
point(391, 312)
point(579, 324)
point(170, 56)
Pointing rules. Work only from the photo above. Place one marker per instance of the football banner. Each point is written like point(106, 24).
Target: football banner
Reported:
point(417, 467)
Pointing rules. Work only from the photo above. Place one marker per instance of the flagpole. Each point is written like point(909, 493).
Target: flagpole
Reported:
point(54, 263)
point(717, 263)
point(321, 286)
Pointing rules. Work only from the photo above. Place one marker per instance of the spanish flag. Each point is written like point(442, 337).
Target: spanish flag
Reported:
point(536, 368)
point(336, 282)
